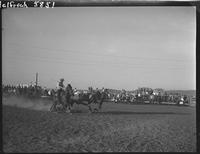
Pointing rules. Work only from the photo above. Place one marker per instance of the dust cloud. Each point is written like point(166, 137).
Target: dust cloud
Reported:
point(42, 105)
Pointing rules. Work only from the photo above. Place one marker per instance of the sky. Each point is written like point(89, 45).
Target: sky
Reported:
point(111, 47)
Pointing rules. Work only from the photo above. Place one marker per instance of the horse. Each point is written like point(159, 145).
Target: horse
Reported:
point(89, 98)
point(69, 99)
point(60, 105)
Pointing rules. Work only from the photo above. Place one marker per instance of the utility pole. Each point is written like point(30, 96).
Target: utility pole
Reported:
point(36, 82)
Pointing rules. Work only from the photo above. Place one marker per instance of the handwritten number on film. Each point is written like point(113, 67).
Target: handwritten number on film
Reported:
point(25, 4)
point(44, 4)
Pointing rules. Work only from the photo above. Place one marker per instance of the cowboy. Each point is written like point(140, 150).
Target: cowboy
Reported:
point(69, 89)
point(69, 92)
point(61, 87)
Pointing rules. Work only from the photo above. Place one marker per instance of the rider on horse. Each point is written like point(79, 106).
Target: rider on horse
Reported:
point(69, 92)
point(61, 89)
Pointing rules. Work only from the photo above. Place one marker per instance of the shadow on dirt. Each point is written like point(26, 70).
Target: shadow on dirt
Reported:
point(79, 111)
point(128, 113)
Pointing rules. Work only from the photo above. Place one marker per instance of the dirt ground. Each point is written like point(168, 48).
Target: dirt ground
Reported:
point(118, 128)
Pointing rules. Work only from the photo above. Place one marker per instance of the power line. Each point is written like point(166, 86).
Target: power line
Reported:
point(90, 64)
point(94, 54)
point(71, 58)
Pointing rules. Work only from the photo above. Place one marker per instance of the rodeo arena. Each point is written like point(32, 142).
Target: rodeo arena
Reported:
point(67, 119)
point(63, 97)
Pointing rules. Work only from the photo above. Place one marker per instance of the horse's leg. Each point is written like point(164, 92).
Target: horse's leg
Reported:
point(100, 105)
point(101, 101)
point(56, 105)
point(90, 108)
point(53, 107)
point(71, 103)
point(64, 104)
point(67, 105)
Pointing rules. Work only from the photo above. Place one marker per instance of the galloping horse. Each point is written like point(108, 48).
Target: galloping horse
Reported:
point(89, 98)
point(61, 105)
point(68, 99)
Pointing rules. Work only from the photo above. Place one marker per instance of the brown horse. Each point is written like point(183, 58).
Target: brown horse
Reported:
point(60, 105)
point(68, 100)
point(89, 98)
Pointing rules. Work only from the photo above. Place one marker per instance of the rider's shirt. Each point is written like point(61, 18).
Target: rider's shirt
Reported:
point(60, 85)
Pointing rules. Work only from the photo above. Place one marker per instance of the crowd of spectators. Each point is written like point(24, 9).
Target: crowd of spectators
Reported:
point(30, 91)
point(139, 95)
